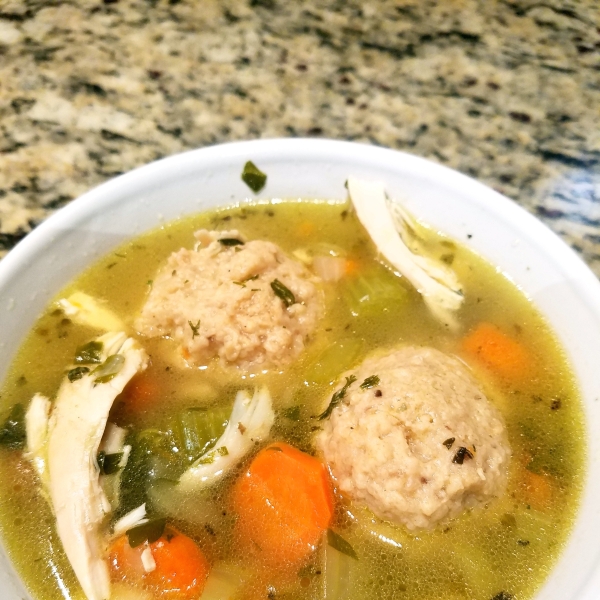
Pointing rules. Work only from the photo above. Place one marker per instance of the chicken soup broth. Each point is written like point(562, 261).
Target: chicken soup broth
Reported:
point(177, 409)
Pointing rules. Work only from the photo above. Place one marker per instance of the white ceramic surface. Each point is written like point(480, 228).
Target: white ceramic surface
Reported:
point(563, 288)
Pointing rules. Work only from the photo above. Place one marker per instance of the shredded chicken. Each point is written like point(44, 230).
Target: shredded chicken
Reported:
point(64, 452)
point(434, 280)
point(86, 310)
point(250, 421)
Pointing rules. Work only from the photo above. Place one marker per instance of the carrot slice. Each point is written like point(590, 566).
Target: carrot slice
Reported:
point(181, 567)
point(498, 352)
point(284, 502)
point(141, 393)
point(537, 489)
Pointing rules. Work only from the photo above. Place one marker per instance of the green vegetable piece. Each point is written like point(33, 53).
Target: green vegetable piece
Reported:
point(77, 373)
point(253, 177)
point(147, 532)
point(195, 328)
point(136, 473)
point(377, 292)
point(283, 292)
point(12, 432)
point(335, 358)
point(109, 463)
point(196, 430)
point(292, 413)
point(448, 443)
point(340, 544)
point(209, 457)
point(89, 354)
point(370, 382)
point(337, 398)
point(109, 368)
point(230, 242)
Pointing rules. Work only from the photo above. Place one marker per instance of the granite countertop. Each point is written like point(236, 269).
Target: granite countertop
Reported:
point(507, 91)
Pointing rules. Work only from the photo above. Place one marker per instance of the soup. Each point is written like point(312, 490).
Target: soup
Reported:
point(175, 412)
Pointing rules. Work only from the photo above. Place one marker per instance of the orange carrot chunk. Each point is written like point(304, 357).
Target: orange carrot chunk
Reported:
point(181, 567)
point(284, 503)
point(537, 489)
point(497, 351)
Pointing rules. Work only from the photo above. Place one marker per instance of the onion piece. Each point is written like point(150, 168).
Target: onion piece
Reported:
point(330, 268)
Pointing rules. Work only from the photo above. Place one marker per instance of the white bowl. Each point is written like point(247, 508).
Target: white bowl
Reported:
point(560, 285)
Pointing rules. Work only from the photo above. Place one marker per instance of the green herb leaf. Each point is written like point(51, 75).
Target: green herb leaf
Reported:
point(448, 443)
point(283, 292)
point(109, 368)
point(209, 457)
point(195, 328)
point(109, 463)
point(77, 373)
point(370, 382)
point(337, 398)
point(147, 532)
point(89, 354)
point(230, 242)
point(253, 177)
point(245, 281)
point(340, 544)
point(12, 433)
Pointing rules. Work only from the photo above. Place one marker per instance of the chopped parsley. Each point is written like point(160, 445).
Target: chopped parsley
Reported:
point(195, 328)
point(89, 354)
point(77, 373)
point(448, 443)
point(253, 177)
point(13, 433)
point(109, 463)
point(281, 291)
point(228, 242)
point(370, 382)
point(337, 398)
point(147, 532)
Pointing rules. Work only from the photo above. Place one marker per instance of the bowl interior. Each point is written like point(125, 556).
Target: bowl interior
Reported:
point(560, 285)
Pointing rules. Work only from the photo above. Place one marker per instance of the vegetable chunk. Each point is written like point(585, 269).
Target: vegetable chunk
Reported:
point(498, 352)
point(284, 503)
point(172, 566)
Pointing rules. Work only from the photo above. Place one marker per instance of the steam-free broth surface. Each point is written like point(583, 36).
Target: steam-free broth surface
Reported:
point(508, 547)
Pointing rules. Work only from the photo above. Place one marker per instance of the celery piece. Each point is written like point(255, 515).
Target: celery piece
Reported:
point(195, 430)
point(373, 294)
point(337, 574)
point(334, 360)
point(477, 572)
point(225, 582)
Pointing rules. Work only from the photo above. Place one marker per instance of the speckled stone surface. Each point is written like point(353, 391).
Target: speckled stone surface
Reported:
point(505, 91)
